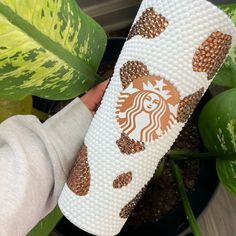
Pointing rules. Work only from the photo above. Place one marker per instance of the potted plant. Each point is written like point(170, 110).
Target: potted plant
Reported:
point(60, 55)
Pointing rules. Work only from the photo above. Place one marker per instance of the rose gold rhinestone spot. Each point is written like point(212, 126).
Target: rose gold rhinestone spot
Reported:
point(188, 104)
point(132, 70)
point(79, 177)
point(128, 208)
point(129, 146)
point(211, 54)
point(122, 180)
point(149, 25)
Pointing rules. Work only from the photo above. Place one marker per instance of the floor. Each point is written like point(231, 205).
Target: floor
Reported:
point(219, 219)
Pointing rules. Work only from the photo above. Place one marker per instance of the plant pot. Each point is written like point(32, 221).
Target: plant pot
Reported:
point(175, 221)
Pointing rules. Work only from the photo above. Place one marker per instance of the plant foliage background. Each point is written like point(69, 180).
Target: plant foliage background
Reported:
point(217, 123)
point(48, 48)
point(52, 49)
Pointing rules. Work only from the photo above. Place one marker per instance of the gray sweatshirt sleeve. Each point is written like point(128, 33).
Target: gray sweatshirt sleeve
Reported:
point(35, 160)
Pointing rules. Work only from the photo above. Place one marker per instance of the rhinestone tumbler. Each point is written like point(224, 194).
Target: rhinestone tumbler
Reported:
point(172, 52)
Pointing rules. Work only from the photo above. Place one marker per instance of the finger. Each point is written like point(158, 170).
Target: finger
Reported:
point(93, 97)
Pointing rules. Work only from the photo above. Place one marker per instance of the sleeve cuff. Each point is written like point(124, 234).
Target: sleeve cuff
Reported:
point(67, 130)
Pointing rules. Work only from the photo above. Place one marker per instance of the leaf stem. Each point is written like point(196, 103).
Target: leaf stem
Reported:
point(187, 207)
point(189, 155)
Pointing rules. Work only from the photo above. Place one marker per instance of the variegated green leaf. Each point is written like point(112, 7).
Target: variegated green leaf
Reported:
point(227, 74)
point(229, 9)
point(48, 48)
point(217, 125)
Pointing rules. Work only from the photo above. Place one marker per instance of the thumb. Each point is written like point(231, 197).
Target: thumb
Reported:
point(94, 96)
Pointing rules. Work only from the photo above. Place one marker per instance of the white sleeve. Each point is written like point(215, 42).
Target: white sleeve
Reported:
point(35, 160)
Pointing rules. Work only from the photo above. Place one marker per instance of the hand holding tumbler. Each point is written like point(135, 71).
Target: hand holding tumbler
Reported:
point(173, 51)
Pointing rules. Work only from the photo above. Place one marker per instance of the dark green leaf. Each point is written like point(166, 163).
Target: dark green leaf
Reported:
point(227, 74)
point(229, 9)
point(227, 174)
point(176, 172)
point(160, 168)
point(217, 125)
point(45, 226)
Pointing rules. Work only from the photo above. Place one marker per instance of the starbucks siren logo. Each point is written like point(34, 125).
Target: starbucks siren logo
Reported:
point(147, 108)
